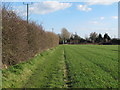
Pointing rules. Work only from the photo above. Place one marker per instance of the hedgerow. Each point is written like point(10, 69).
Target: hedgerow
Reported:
point(22, 40)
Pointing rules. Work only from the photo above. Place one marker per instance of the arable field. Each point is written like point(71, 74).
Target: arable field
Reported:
point(67, 66)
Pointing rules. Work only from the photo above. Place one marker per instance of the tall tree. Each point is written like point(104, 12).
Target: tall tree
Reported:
point(65, 34)
point(93, 36)
point(106, 37)
point(99, 38)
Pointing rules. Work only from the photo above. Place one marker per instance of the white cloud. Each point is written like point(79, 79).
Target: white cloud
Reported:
point(115, 17)
point(94, 22)
point(102, 18)
point(48, 7)
point(41, 7)
point(84, 8)
point(95, 2)
point(101, 2)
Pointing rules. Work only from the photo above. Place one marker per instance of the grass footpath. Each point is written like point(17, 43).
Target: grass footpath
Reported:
point(45, 70)
point(67, 66)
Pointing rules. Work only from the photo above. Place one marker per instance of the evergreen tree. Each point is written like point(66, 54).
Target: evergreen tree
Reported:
point(99, 38)
point(106, 37)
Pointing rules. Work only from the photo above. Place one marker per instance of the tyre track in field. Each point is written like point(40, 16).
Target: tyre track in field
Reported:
point(68, 81)
point(101, 66)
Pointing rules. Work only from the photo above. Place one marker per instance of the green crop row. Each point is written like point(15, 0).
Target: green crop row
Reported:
point(88, 69)
point(66, 66)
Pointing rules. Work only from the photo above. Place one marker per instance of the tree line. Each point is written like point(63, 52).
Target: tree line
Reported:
point(21, 40)
point(94, 38)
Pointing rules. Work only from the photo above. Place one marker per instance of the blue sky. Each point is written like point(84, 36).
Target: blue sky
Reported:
point(80, 17)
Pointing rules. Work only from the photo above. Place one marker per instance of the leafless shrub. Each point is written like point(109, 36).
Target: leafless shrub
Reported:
point(22, 40)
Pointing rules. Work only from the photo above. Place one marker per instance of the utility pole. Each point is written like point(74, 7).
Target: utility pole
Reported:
point(27, 4)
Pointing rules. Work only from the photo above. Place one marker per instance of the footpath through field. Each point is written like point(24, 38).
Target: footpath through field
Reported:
point(45, 70)
point(66, 66)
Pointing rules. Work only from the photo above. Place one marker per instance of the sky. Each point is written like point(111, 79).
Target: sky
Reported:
point(99, 16)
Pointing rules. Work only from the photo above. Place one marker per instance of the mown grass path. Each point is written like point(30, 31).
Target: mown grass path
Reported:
point(67, 66)
point(45, 70)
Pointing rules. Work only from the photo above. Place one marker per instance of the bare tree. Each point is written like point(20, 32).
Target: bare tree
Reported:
point(65, 34)
point(93, 36)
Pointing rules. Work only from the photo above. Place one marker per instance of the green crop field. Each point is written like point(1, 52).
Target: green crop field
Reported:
point(67, 66)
